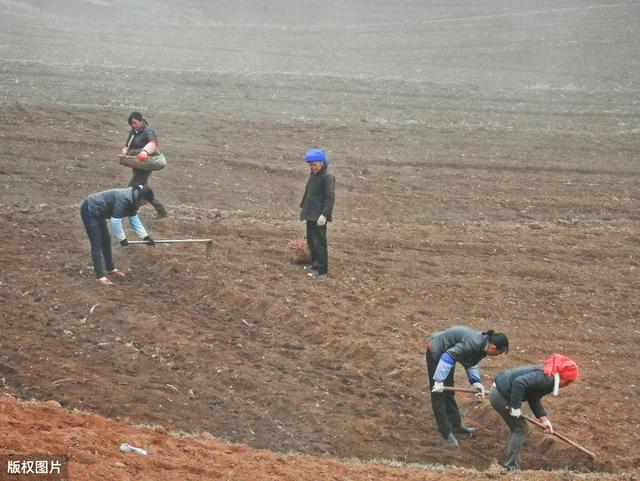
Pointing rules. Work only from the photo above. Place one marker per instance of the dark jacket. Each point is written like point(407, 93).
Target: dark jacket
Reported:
point(319, 196)
point(464, 344)
point(137, 139)
point(117, 203)
point(527, 383)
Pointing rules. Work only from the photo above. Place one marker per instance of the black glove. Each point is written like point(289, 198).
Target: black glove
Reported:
point(124, 242)
point(149, 241)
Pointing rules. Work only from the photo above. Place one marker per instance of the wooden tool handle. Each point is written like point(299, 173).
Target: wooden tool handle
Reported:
point(461, 389)
point(560, 436)
point(532, 421)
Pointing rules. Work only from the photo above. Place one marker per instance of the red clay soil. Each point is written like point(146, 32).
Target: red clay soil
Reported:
point(92, 442)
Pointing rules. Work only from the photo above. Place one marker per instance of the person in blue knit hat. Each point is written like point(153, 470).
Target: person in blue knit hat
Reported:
point(316, 209)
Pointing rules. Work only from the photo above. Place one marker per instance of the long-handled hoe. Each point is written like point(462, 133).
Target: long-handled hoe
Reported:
point(532, 421)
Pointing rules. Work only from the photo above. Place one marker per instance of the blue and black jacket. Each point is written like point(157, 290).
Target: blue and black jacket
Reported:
point(461, 344)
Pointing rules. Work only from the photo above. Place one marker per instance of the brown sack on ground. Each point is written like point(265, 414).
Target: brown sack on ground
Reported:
point(299, 251)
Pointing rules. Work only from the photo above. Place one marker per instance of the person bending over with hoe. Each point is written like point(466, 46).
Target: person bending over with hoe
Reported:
point(316, 209)
point(114, 204)
point(528, 383)
point(142, 142)
point(468, 347)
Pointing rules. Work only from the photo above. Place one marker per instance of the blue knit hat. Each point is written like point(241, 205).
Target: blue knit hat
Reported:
point(316, 155)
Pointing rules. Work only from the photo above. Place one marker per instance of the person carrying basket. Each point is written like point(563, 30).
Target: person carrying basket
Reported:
point(142, 154)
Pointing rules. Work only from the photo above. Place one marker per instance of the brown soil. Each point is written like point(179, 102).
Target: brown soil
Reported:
point(92, 444)
point(508, 209)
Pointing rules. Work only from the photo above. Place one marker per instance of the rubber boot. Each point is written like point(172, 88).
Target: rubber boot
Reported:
point(451, 440)
point(462, 429)
point(160, 209)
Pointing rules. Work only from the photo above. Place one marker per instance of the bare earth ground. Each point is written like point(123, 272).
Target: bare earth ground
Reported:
point(92, 442)
point(514, 208)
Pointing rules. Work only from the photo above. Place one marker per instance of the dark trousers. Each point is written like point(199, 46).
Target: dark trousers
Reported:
point(141, 177)
point(100, 240)
point(445, 408)
point(317, 242)
point(517, 426)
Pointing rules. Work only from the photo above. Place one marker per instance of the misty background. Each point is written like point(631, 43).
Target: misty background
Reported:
point(302, 58)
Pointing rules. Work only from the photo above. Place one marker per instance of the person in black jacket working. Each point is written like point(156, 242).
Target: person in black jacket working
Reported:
point(317, 208)
point(142, 142)
point(114, 204)
point(468, 347)
point(528, 383)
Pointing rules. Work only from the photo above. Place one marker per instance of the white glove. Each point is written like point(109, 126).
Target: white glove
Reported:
point(548, 426)
point(438, 387)
point(516, 413)
point(480, 388)
point(322, 220)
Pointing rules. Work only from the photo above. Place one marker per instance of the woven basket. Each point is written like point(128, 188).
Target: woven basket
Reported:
point(299, 251)
point(154, 162)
